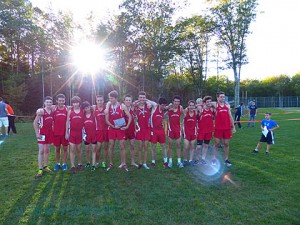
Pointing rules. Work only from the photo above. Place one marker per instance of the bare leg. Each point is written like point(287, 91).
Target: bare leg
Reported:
point(72, 154)
point(192, 149)
point(145, 151)
point(65, 154)
point(79, 154)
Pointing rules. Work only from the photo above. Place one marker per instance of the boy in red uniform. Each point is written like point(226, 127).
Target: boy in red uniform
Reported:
point(224, 127)
point(43, 130)
point(143, 127)
point(89, 126)
point(205, 128)
point(114, 117)
point(158, 134)
point(101, 130)
point(130, 132)
point(189, 132)
point(75, 122)
point(59, 131)
point(174, 112)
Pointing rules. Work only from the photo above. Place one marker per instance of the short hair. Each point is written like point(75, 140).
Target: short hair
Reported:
point(241, 103)
point(99, 96)
point(48, 98)
point(76, 99)
point(176, 97)
point(128, 96)
point(268, 113)
point(162, 101)
point(113, 94)
point(142, 93)
point(60, 96)
point(1, 99)
point(207, 98)
point(191, 101)
point(85, 104)
point(198, 100)
point(220, 93)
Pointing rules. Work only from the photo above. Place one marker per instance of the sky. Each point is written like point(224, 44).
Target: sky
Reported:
point(273, 47)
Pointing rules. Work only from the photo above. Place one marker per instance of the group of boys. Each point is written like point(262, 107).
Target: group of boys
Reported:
point(141, 121)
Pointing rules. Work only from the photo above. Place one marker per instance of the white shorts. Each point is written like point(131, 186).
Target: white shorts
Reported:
point(4, 121)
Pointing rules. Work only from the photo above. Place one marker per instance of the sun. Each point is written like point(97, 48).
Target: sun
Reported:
point(88, 57)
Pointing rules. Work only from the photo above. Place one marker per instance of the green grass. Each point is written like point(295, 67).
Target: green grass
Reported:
point(265, 190)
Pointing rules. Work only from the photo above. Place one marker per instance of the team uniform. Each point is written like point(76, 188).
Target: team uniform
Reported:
point(157, 128)
point(101, 126)
point(142, 124)
point(174, 124)
point(205, 125)
point(269, 138)
point(89, 126)
point(59, 126)
point(222, 122)
point(114, 114)
point(45, 128)
point(130, 132)
point(190, 127)
point(76, 125)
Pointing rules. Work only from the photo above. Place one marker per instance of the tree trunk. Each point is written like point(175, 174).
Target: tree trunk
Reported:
point(236, 87)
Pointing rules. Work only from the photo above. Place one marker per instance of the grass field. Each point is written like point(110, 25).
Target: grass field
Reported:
point(258, 189)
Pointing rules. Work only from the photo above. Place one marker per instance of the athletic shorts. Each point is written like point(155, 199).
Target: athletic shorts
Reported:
point(204, 136)
point(129, 134)
point(226, 134)
point(91, 139)
point(60, 140)
point(158, 136)
point(190, 137)
point(143, 135)
point(102, 136)
point(47, 138)
point(269, 139)
point(116, 134)
point(174, 134)
point(75, 137)
point(4, 121)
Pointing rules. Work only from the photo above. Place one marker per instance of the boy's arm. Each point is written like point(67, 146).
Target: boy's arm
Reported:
point(67, 125)
point(231, 120)
point(151, 104)
point(124, 108)
point(39, 114)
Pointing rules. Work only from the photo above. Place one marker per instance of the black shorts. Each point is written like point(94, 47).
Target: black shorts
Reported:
point(269, 138)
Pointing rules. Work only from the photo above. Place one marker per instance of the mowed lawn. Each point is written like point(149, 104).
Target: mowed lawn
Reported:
point(256, 190)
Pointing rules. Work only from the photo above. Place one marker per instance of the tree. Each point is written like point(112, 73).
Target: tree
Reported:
point(232, 19)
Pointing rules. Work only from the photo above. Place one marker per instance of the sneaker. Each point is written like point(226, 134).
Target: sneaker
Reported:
point(64, 167)
point(93, 168)
point(170, 164)
point(79, 167)
point(47, 169)
point(6, 135)
point(56, 167)
point(166, 165)
point(125, 167)
point(152, 165)
point(267, 153)
point(88, 165)
point(185, 162)
point(203, 162)
point(140, 166)
point(227, 163)
point(255, 150)
point(1, 135)
point(109, 167)
point(213, 162)
point(40, 173)
point(104, 165)
point(135, 165)
point(180, 165)
point(191, 163)
point(97, 165)
point(196, 162)
point(73, 170)
point(145, 166)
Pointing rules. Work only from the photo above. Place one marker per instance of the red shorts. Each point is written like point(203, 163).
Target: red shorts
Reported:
point(129, 134)
point(60, 140)
point(102, 136)
point(91, 138)
point(226, 134)
point(116, 134)
point(75, 137)
point(204, 136)
point(158, 136)
point(174, 134)
point(143, 135)
point(189, 137)
point(47, 138)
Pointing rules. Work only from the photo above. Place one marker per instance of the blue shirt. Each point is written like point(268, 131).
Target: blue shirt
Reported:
point(269, 123)
point(252, 109)
point(239, 110)
point(2, 109)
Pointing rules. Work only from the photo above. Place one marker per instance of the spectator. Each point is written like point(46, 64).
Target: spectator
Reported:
point(252, 113)
point(11, 118)
point(3, 117)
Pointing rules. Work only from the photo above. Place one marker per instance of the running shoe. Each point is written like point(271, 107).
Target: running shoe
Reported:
point(47, 169)
point(79, 167)
point(145, 166)
point(56, 167)
point(152, 165)
point(97, 165)
point(196, 162)
point(40, 173)
point(140, 166)
point(109, 167)
point(180, 165)
point(227, 163)
point(267, 153)
point(191, 163)
point(166, 165)
point(93, 168)
point(185, 162)
point(88, 165)
point(73, 170)
point(170, 164)
point(125, 167)
point(64, 167)
point(203, 162)
point(255, 150)
point(104, 165)
point(213, 162)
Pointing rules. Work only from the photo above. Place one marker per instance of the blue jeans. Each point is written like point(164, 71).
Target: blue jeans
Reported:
point(251, 117)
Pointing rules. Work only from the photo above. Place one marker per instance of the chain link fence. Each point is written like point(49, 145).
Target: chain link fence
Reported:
point(272, 102)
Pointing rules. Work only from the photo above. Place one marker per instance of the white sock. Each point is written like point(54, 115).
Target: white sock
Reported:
point(170, 160)
point(165, 160)
point(153, 161)
point(179, 160)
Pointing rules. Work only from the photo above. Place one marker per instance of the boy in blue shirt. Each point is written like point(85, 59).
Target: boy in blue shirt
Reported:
point(267, 127)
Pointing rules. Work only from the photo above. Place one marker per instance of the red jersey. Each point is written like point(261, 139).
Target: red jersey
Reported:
point(205, 121)
point(174, 120)
point(115, 112)
point(89, 125)
point(143, 117)
point(156, 121)
point(59, 119)
point(222, 117)
point(46, 122)
point(189, 123)
point(76, 121)
point(131, 127)
point(100, 118)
